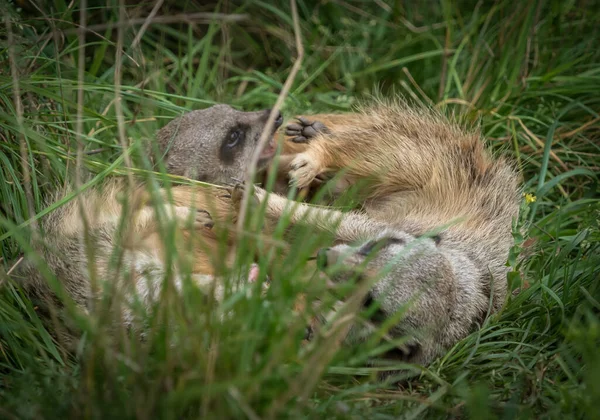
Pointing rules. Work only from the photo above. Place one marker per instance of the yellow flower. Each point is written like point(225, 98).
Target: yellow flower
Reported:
point(529, 198)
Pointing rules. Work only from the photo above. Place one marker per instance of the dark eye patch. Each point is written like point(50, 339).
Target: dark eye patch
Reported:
point(394, 241)
point(367, 248)
point(232, 142)
point(378, 316)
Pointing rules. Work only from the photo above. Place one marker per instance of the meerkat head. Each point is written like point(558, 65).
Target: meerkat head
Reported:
point(215, 144)
point(401, 269)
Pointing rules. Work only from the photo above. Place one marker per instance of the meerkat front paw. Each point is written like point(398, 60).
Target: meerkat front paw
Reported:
point(200, 218)
point(303, 170)
point(305, 130)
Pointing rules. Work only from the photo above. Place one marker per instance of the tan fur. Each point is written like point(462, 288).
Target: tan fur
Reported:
point(141, 242)
point(423, 172)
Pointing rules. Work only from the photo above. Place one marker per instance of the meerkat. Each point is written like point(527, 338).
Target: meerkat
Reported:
point(436, 212)
point(213, 145)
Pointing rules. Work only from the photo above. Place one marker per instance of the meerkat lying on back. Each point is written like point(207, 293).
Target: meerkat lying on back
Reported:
point(213, 145)
point(423, 173)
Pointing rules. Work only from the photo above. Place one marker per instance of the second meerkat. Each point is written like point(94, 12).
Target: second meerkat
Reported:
point(423, 172)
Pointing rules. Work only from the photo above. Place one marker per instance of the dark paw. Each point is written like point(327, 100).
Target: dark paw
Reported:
point(304, 130)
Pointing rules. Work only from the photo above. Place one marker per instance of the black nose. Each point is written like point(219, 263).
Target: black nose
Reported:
point(322, 258)
point(278, 118)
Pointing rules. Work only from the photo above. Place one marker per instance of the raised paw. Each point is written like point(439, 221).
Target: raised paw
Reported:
point(304, 130)
point(303, 170)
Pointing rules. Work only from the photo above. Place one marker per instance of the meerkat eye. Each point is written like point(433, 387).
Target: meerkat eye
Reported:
point(234, 138)
point(367, 248)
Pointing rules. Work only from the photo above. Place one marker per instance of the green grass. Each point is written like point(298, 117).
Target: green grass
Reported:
point(528, 72)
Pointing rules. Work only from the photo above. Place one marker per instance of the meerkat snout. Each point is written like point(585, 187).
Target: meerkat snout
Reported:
point(278, 118)
point(215, 144)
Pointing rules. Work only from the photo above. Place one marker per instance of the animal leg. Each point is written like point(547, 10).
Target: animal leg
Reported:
point(347, 227)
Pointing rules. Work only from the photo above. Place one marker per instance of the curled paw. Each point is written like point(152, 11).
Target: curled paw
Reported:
point(202, 218)
point(303, 170)
point(304, 130)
